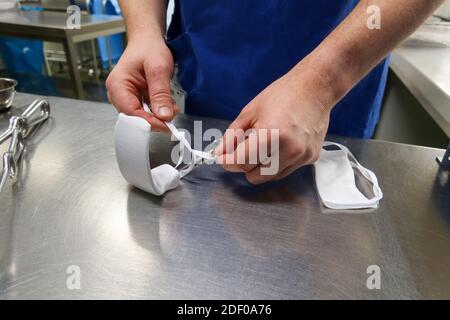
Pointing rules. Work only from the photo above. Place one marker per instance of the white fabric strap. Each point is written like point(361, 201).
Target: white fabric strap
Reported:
point(197, 155)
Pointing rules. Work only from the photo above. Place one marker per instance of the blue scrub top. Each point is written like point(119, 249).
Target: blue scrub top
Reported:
point(228, 51)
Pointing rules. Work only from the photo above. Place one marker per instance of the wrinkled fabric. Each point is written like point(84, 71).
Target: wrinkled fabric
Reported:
point(132, 144)
point(229, 51)
point(336, 182)
point(334, 170)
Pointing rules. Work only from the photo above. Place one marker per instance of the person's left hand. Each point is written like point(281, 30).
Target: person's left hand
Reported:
point(298, 105)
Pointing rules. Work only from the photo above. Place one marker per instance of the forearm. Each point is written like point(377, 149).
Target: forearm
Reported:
point(144, 18)
point(353, 49)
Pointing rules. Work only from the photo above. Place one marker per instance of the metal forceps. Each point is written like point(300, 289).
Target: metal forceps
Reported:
point(19, 129)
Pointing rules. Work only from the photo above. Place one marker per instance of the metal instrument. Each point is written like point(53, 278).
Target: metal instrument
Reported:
point(19, 129)
point(7, 91)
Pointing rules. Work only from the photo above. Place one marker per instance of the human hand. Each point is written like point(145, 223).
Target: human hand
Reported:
point(297, 106)
point(144, 72)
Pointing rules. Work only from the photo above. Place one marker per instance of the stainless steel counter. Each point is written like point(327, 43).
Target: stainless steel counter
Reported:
point(426, 72)
point(215, 236)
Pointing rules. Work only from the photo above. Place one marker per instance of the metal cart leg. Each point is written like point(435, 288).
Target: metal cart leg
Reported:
point(72, 63)
point(94, 59)
point(108, 46)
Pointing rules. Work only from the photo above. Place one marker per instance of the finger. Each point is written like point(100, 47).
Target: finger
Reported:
point(127, 99)
point(124, 97)
point(158, 82)
point(251, 152)
point(233, 136)
point(294, 167)
point(245, 157)
point(289, 170)
point(156, 124)
point(287, 164)
point(259, 176)
point(228, 144)
point(146, 98)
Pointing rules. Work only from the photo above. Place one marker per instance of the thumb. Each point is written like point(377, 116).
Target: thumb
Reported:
point(158, 82)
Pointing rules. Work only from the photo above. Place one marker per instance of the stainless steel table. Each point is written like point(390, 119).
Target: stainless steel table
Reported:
point(215, 236)
point(425, 72)
point(52, 26)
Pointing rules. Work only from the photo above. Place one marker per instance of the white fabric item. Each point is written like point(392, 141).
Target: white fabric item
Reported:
point(336, 183)
point(132, 144)
point(334, 171)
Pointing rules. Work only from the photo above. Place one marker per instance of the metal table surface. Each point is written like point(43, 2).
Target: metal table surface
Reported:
point(425, 72)
point(215, 236)
point(52, 26)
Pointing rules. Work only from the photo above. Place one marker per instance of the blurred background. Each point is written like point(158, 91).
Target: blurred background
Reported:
point(416, 108)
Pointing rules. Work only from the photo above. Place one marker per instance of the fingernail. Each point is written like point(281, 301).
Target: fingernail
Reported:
point(164, 111)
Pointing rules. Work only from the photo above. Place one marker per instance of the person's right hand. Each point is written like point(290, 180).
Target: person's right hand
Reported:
point(144, 72)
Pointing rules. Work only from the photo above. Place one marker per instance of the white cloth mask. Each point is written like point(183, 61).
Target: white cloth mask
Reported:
point(334, 171)
point(336, 182)
point(132, 144)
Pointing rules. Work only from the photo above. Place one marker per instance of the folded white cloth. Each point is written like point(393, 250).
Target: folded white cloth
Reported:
point(336, 183)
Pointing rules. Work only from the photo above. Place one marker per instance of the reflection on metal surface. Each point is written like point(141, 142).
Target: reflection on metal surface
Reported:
point(216, 236)
point(19, 129)
point(7, 92)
